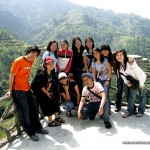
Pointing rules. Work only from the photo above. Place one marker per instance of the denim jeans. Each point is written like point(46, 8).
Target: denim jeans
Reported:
point(131, 95)
point(142, 100)
point(69, 105)
point(27, 111)
point(106, 89)
point(91, 109)
point(119, 92)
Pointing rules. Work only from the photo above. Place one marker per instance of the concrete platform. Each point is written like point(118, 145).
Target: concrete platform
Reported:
point(91, 135)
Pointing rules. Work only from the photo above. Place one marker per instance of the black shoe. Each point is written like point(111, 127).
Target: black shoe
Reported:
point(117, 110)
point(34, 137)
point(42, 131)
point(92, 118)
point(107, 124)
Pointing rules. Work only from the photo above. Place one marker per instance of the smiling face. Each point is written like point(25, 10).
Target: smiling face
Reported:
point(64, 45)
point(89, 44)
point(53, 47)
point(50, 65)
point(63, 80)
point(32, 56)
point(88, 81)
point(77, 44)
point(105, 53)
point(120, 57)
point(96, 55)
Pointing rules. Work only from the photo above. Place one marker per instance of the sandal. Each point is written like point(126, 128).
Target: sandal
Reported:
point(68, 114)
point(54, 123)
point(59, 119)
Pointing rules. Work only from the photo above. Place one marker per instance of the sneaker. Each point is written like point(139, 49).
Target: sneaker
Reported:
point(34, 137)
point(42, 131)
point(107, 125)
point(139, 114)
point(125, 115)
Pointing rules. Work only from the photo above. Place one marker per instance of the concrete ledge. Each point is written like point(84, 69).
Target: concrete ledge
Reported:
point(90, 135)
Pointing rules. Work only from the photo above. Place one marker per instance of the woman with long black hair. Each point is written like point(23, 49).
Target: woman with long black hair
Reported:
point(77, 61)
point(45, 92)
point(129, 68)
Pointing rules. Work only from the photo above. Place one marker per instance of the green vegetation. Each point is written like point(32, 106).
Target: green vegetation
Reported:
point(7, 123)
point(38, 25)
point(9, 49)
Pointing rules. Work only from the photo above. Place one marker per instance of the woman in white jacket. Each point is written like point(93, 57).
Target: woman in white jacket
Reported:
point(125, 67)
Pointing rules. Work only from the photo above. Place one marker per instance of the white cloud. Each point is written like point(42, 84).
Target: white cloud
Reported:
point(139, 7)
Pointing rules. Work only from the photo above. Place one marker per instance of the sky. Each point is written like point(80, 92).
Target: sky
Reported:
point(138, 7)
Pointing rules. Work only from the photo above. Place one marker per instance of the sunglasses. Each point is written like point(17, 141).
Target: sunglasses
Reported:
point(62, 78)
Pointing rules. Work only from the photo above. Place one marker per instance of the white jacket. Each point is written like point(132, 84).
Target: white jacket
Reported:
point(135, 71)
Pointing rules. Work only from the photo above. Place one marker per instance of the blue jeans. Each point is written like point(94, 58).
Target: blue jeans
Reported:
point(27, 111)
point(91, 109)
point(106, 89)
point(119, 92)
point(131, 95)
point(69, 105)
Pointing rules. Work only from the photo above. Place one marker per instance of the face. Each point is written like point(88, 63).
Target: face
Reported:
point(53, 47)
point(105, 53)
point(50, 65)
point(63, 80)
point(77, 44)
point(96, 55)
point(120, 57)
point(64, 46)
point(32, 56)
point(89, 44)
point(88, 81)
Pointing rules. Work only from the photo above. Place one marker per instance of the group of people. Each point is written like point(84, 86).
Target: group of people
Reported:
point(78, 78)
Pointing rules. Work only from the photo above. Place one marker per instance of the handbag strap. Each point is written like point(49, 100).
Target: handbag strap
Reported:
point(122, 74)
point(94, 94)
point(90, 58)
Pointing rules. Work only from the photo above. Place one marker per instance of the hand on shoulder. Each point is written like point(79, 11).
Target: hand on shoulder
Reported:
point(130, 60)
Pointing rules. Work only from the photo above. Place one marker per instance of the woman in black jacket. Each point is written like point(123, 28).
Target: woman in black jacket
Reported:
point(45, 92)
point(77, 62)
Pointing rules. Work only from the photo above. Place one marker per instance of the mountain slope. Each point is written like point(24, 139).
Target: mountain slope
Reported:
point(39, 21)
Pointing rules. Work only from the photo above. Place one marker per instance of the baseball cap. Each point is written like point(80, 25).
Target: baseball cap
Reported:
point(48, 59)
point(62, 74)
